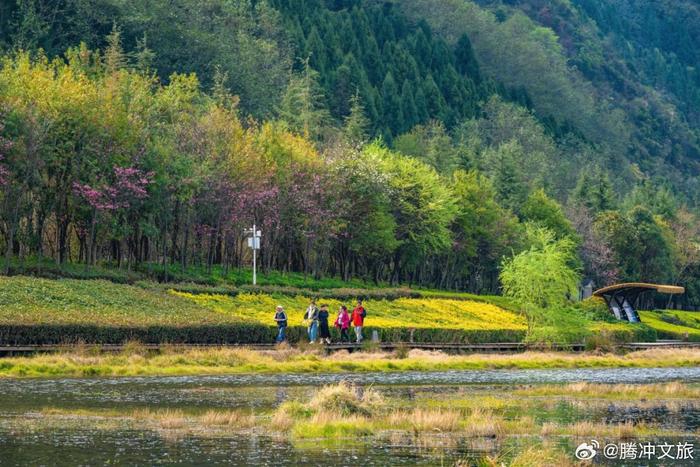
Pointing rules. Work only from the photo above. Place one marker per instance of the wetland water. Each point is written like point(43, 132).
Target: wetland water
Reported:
point(29, 437)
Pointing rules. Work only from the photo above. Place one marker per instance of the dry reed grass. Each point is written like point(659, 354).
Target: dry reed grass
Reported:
point(168, 419)
point(425, 420)
point(230, 418)
point(346, 399)
point(539, 456)
point(431, 355)
point(549, 429)
point(281, 421)
point(483, 423)
point(621, 431)
point(671, 390)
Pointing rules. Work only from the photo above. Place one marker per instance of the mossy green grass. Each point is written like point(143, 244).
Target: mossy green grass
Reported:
point(215, 361)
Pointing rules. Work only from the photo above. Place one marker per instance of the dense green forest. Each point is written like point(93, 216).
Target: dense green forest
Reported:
point(420, 142)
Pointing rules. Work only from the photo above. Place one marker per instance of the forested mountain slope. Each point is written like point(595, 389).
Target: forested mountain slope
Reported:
point(595, 64)
point(407, 141)
point(620, 75)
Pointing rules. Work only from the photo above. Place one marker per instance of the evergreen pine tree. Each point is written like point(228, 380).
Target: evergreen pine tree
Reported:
point(408, 106)
point(303, 106)
point(583, 192)
point(372, 61)
point(31, 27)
point(391, 104)
point(144, 56)
point(347, 78)
point(604, 195)
point(114, 56)
point(465, 60)
point(421, 105)
point(433, 98)
point(315, 50)
point(357, 125)
point(507, 179)
point(423, 48)
point(342, 90)
point(373, 105)
point(220, 91)
point(594, 191)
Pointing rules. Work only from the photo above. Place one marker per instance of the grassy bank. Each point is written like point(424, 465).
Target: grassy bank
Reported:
point(176, 361)
point(46, 311)
point(674, 324)
point(192, 274)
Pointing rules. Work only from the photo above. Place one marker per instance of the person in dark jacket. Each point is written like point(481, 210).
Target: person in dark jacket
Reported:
point(324, 331)
point(281, 319)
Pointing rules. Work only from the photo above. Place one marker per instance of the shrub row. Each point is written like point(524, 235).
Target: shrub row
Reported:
point(197, 284)
point(154, 272)
point(47, 334)
point(74, 272)
point(446, 336)
point(337, 294)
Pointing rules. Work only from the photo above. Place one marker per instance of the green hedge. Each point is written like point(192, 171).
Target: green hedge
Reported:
point(444, 336)
point(74, 271)
point(91, 334)
point(225, 334)
point(337, 294)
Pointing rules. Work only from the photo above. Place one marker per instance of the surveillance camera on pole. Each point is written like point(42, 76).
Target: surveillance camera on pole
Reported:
point(254, 244)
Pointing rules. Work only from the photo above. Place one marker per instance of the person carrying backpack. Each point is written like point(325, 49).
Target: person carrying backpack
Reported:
point(311, 317)
point(358, 320)
point(281, 319)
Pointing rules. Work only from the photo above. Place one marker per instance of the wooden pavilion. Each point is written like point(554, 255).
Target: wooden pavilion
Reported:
point(621, 298)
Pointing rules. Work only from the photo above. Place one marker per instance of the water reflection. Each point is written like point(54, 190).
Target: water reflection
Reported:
point(22, 443)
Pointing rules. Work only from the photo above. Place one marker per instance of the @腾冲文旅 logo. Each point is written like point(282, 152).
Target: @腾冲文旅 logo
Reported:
point(587, 451)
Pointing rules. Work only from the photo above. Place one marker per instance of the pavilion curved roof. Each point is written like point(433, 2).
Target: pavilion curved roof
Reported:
point(668, 289)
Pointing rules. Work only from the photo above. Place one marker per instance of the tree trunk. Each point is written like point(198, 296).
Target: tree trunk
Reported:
point(165, 254)
point(12, 226)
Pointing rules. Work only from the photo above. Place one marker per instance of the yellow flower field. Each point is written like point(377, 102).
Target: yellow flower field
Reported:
point(686, 325)
point(402, 313)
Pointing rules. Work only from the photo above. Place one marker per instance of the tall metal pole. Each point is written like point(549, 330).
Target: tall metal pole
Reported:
point(255, 233)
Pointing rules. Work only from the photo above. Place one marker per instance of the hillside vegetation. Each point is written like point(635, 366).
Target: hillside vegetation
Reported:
point(428, 144)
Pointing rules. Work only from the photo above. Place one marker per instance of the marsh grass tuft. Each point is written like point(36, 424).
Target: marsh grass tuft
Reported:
point(549, 429)
point(401, 351)
point(231, 418)
point(345, 399)
point(541, 456)
point(423, 420)
point(330, 425)
point(167, 418)
point(483, 423)
point(282, 421)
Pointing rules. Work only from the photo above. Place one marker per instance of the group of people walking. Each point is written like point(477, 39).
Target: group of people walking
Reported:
point(316, 320)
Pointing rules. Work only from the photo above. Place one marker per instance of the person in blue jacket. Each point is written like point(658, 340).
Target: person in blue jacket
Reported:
point(281, 319)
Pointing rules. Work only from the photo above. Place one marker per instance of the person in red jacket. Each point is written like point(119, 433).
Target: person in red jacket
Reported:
point(358, 320)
